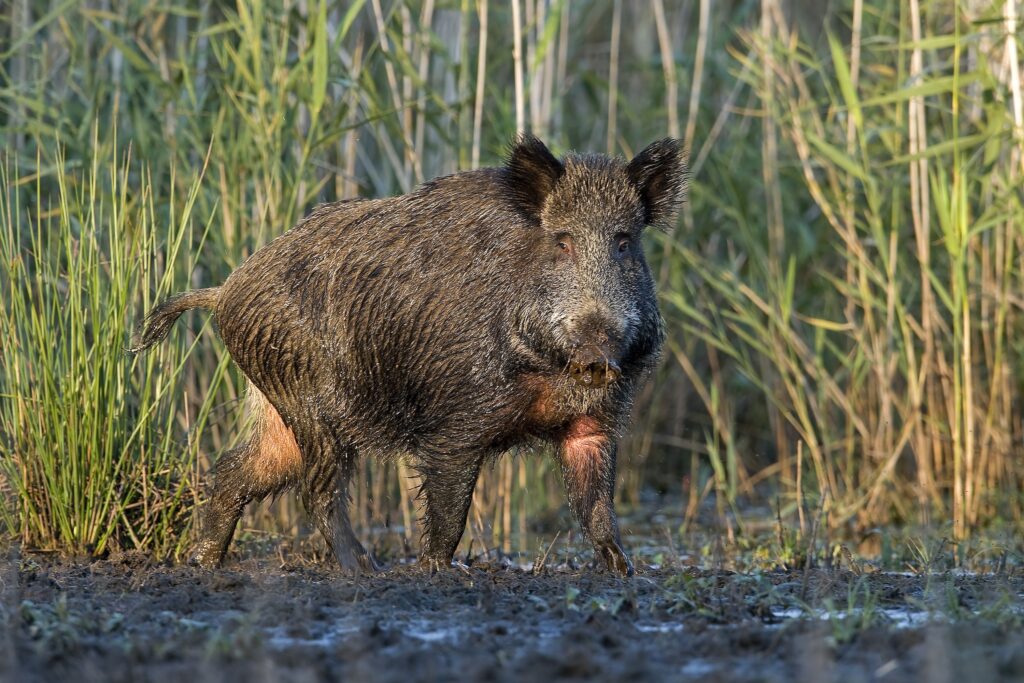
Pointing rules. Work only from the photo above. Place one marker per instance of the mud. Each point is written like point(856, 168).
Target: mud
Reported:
point(127, 617)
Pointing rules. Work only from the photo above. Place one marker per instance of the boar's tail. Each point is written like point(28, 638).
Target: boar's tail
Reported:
point(159, 321)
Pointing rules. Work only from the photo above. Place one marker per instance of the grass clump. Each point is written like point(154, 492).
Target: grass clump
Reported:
point(94, 455)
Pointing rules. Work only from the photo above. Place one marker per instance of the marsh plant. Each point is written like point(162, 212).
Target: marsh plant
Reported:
point(841, 291)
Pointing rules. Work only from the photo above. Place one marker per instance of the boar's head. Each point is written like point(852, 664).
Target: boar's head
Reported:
point(595, 307)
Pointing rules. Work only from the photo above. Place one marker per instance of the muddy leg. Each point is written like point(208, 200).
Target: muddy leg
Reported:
point(234, 487)
point(586, 455)
point(326, 498)
point(447, 493)
point(269, 462)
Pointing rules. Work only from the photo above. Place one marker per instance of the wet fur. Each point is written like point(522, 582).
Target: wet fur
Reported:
point(433, 325)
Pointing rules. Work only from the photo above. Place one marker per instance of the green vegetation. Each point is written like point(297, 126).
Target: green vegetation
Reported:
point(92, 455)
point(841, 291)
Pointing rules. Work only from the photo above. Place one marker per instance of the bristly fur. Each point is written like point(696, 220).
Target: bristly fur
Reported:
point(660, 175)
point(530, 174)
point(441, 325)
point(159, 321)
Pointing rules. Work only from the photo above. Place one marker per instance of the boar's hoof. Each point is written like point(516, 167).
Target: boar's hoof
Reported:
point(206, 556)
point(433, 565)
point(368, 564)
point(615, 559)
point(595, 374)
point(363, 564)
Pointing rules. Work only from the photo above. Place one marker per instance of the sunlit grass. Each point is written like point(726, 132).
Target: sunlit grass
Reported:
point(91, 448)
point(841, 292)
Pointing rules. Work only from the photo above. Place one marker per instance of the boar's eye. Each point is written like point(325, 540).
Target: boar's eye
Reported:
point(564, 245)
point(623, 243)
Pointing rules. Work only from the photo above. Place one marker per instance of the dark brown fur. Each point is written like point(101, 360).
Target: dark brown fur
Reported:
point(441, 326)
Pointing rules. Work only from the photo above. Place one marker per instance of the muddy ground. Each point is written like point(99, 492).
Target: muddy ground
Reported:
point(129, 618)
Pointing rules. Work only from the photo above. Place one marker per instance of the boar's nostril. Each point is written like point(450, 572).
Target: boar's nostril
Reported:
point(595, 374)
point(581, 373)
point(611, 372)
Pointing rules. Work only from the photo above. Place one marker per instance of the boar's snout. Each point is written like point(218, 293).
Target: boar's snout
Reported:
point(596, 344)
point(591, 367)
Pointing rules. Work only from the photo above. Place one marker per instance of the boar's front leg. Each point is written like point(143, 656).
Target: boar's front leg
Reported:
point(325, 496)
point(447, 493)
point(586, 454)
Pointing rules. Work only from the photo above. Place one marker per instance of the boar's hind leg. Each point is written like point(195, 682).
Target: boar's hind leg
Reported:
point(587, 458)
point(230, 496)
point(447, 492)
point(326, 498)
point(269, 462)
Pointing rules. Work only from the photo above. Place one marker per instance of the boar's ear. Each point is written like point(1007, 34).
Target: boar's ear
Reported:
point(530, 174)
point(659, 174)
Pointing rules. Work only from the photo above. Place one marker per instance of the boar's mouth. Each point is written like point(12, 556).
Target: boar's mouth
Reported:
point(592, 368)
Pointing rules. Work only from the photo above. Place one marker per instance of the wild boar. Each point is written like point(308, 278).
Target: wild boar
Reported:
point(483, 311)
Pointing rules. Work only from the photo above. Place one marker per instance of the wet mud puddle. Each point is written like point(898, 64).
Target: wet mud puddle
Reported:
point(128, 618)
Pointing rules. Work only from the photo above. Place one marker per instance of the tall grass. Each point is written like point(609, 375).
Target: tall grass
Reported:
point(90, 448)
point(841, 291)
point(898, 377)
